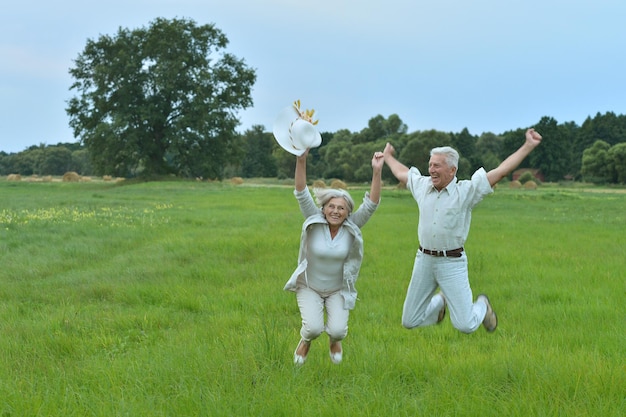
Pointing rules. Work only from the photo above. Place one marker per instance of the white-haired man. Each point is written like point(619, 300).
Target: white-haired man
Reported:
point(445, 207)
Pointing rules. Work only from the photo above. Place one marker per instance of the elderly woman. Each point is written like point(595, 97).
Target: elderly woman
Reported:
point(331, 251)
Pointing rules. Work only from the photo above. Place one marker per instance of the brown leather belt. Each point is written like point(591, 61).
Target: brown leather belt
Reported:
point(454, 253)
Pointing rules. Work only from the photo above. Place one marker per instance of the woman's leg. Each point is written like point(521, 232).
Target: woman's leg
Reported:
point(311, 306)
point(337, 317)
point(336, 325)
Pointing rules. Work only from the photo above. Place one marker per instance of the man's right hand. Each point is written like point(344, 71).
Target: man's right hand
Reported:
point(532, 137)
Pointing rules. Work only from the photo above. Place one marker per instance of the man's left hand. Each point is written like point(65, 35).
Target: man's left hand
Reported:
point(533, 137)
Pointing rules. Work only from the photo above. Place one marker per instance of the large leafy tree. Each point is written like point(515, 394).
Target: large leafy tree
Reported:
point(160, 100)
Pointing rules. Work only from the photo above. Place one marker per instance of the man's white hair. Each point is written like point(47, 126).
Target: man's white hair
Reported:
point(452, 156)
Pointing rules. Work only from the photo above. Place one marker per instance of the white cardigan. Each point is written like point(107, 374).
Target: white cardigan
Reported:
point(353, 224)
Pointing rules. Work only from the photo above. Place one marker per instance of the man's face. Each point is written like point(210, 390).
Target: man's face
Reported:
point(440, 173)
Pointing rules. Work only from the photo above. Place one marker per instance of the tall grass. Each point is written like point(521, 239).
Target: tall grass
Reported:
point(165, 299)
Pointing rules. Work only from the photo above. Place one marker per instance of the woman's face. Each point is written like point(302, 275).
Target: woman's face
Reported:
point(335, 211)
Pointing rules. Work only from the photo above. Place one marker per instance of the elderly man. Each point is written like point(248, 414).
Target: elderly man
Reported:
point(445, 207)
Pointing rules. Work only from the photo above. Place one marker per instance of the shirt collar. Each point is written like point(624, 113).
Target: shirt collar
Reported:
point(449, 188)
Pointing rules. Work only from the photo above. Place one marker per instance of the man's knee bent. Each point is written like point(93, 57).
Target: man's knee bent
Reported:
point(464, 327)
point(409, 324)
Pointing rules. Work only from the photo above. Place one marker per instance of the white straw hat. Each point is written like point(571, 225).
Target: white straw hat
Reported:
point(295, 131)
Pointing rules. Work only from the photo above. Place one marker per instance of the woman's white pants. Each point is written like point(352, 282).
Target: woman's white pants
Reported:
point(312, 306)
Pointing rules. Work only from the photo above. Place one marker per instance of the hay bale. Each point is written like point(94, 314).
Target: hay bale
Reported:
point(14, 177)
point(515, 184)
point(338, 184)
point(107, 178)
point(47, 178)
point(319, 184)
point(71, 176)
point(85, 179)
point(236, 180)
point(119, 179)
point(530, 185)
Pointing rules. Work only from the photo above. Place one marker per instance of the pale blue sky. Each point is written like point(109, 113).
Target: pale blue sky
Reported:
point(486, 65)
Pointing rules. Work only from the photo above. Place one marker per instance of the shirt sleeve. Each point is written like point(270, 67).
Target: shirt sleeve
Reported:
point(364, 212)
point(416, 183)
point(306, 202)
point(480, 183)
point(412, 177)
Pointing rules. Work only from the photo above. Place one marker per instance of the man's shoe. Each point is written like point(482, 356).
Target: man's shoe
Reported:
point(442, 312)
point(299, 356)
point(491, 320)
point(336, 356)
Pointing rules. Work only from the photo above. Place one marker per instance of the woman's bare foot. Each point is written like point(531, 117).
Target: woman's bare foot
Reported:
point(336, 352)
point(299, 356)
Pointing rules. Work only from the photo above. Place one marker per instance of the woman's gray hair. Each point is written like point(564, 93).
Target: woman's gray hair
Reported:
point(324, 195)
point(452, 156)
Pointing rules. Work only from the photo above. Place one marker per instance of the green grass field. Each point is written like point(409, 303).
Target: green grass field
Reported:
point(165, 299)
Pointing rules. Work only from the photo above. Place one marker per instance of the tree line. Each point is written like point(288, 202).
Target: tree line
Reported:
point(593, 152)
point(47, 160)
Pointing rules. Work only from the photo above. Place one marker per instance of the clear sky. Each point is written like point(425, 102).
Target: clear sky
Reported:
point(488, 65)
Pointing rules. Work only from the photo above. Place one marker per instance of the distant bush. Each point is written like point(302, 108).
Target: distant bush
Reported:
point(528, 176)
point(530, 185)
point(338, 184)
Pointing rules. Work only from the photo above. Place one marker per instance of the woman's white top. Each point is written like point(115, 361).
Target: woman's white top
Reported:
point(326, 257)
